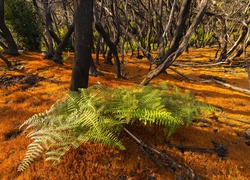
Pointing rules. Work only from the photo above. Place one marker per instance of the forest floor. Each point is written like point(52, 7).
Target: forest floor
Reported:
point(39, 83)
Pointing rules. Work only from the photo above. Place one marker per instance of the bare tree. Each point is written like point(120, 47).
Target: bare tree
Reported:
point(61, 46)
point(168, 60)
point(83, 17)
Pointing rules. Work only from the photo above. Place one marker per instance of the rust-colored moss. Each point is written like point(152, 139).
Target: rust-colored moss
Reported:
point(93, 161)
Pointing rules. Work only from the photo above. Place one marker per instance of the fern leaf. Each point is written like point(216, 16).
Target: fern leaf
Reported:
point(98, 114)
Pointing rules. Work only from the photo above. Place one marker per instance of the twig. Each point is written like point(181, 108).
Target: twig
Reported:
point(172, 163)
point(235, 119)
point(232, 87)
point(199, 65)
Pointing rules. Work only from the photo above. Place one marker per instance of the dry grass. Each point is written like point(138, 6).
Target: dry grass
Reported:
point(24, 97)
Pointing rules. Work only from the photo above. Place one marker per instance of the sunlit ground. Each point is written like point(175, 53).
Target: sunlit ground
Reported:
point(39, 83)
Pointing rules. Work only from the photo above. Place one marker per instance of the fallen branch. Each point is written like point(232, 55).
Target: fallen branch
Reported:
point(171, 162)
point(235, 119)
point(199, 65)
point(232, 87)
point(245, 91)
point(220, 150)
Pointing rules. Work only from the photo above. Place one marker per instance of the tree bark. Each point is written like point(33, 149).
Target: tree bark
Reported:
point(112, 47)
point(171, 58)
point(181, 23)
point(12, 47)
point(58, 53)
point(83, 17)
point(6, 61)
point(48, 27)
point(222, 34)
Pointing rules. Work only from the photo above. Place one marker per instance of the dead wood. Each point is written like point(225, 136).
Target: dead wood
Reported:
point(235, 119)
point(170, 165)
point(212, 79)
point(199, 65)
point(168, 61)
point(220, 82)
point(245, 91)
point(219, 149)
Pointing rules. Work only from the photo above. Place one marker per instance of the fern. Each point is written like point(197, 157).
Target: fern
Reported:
point(98, 114)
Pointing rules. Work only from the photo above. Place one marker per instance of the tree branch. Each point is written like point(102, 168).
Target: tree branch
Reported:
point(171, 162)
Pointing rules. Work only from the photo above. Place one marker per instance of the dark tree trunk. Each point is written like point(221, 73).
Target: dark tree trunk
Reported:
point(171, 58)
point(6, 61)
point(92, 69)
point(108, 59)
point(54, 36)
point(112, 47)
point(181, 23)
point(3, 45)
point(97, 50)
point(83, 17)
point(238, 52)
point(48, 27)
point(58, 53)
point(11, 45)
point(159, 29)
point(223, 38)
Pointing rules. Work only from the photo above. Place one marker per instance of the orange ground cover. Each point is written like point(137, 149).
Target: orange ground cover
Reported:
point(39, 83)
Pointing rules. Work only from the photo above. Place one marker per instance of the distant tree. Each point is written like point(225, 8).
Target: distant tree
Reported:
point(83, 18)
point(61, 46)
point(57, 21)
point(6, 35)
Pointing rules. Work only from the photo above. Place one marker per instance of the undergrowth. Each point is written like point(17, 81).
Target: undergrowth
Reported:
point(99, 114)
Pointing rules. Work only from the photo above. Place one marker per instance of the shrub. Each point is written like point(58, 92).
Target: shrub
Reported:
point(25, 24)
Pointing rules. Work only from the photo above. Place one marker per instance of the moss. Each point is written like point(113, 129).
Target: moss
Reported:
point(93, 161)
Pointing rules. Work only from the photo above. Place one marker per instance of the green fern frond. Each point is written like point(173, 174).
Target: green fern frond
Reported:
point(99, 114)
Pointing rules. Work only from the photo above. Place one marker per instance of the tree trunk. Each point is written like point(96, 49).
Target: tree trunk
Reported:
point(12, 47)
point(160, 29)
point(58, 53)
point(112, 47)
point(181, 23)
point(171, 58)
point(48, 27)
point(83, 17)
point(238, 51)
point(6, 61)
point(223, 38)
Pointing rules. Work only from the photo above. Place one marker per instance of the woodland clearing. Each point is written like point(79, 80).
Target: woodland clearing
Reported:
point(39, 83)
